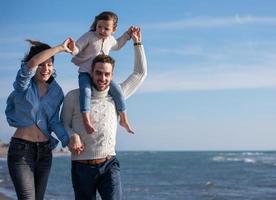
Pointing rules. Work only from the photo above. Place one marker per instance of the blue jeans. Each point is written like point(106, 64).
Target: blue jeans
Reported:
point(29, 166)
point(85, 84)
point(104, 178)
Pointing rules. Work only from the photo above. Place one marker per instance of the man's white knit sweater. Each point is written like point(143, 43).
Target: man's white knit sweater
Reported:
point(102, 142)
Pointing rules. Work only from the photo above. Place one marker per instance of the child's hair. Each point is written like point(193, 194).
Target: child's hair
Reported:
point(36, 47)
point(106, 15)
point(102, 58)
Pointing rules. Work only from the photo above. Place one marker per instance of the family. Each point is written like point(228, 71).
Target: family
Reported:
point(88, 119)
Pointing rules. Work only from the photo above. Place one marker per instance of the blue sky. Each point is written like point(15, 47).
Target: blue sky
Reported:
point(211, 81)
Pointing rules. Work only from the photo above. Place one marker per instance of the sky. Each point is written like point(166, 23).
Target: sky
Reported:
point(211, 81)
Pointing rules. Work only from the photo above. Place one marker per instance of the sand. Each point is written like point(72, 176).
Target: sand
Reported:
point(3, 149)
point(3, 197)
point(3, 153)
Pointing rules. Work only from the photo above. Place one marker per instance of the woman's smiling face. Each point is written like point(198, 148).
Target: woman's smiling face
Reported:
point(44, 70)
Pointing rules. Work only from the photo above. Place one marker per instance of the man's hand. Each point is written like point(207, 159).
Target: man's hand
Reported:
point(136, 34)
point(76, 146)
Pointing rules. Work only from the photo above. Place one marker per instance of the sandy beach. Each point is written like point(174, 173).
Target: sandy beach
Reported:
point(3, 148)
point(3, 153)
point(2, 197)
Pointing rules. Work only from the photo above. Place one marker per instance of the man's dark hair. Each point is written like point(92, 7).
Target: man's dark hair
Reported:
point(103, 59)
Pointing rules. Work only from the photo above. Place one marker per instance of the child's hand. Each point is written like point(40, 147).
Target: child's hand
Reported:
point(67, 45)
point(71, 44)
point(136, 34)
point(129, 31)
point(76, 146)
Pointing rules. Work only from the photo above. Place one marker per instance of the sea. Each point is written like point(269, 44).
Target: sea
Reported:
point(182, 175)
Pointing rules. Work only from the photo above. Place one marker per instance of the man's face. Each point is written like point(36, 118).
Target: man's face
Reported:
point(102, 75)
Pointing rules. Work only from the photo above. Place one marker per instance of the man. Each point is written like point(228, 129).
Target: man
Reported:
point(94, 163)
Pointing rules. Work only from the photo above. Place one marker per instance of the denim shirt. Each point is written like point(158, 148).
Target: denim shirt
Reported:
point(25, 107)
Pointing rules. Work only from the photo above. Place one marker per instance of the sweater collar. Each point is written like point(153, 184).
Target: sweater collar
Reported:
point(99, 94)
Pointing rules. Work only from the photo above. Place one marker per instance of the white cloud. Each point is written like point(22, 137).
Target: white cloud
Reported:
point(11, 56)
point(200, 52)
point(212, 22)
point(200, 80)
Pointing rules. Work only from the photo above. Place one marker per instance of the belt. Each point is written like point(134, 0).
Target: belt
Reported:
point(95, 161)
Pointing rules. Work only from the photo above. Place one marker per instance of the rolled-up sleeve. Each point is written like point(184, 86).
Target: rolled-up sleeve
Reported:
point(23, 77)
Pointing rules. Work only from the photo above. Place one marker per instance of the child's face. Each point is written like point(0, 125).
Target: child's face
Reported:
point(104, 28)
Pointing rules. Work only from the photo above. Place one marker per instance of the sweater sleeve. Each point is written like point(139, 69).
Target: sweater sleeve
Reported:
point(67, 111)
point(133, 82)
point(120, 42)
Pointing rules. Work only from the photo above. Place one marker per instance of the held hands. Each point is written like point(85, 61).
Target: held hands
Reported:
point(76, 146)
point(68, 45)
point(72, 46)
point(136, 34)
point(129, 31)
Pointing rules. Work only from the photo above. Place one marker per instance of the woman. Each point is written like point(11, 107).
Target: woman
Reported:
point(33, 109)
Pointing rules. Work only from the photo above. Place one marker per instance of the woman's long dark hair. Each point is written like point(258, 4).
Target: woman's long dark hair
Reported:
point(36, 47)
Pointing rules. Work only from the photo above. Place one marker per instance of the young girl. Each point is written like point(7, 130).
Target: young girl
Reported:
point(99, 40)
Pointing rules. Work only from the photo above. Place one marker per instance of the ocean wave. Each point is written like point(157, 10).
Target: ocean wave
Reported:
point(234, 159)
point(252, 153)
point(247, 157)
point(249, 160)
point(218, 158)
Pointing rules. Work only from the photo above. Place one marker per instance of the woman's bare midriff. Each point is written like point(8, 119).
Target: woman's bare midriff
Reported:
point(31, 133)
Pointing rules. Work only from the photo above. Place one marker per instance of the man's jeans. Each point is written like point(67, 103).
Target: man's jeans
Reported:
point(104, 178)
point(29, 167)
